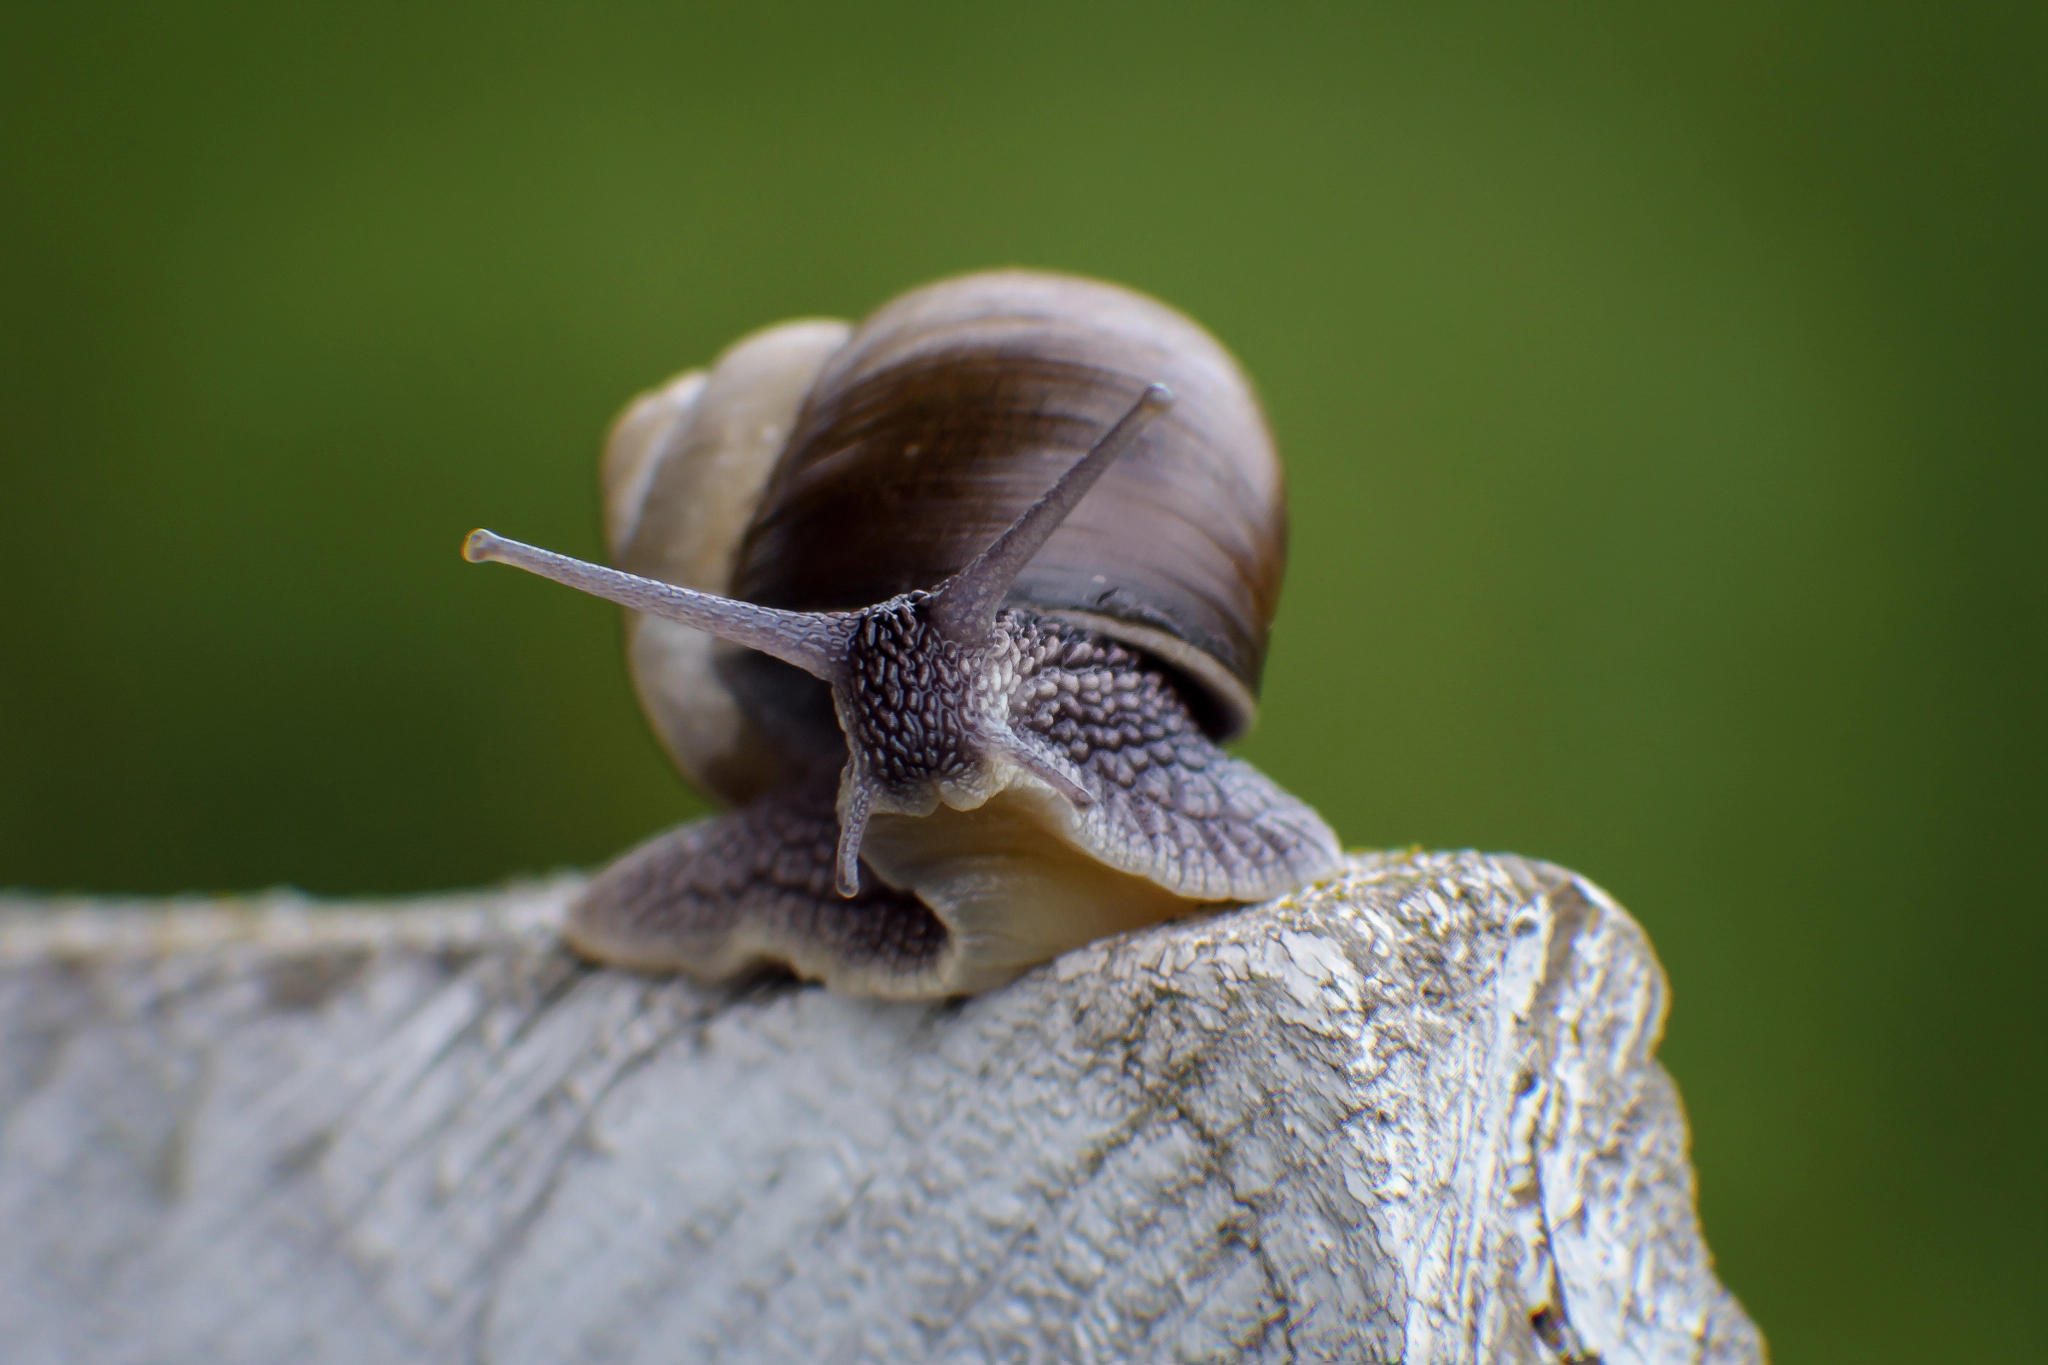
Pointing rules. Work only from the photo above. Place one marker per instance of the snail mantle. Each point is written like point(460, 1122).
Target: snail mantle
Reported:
point(1410, 1113)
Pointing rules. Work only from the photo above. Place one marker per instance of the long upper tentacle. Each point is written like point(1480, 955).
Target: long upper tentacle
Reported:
point(964, 607)
point(814, 641)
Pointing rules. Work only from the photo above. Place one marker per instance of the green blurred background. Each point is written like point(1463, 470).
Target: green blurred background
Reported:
point(1662, 394)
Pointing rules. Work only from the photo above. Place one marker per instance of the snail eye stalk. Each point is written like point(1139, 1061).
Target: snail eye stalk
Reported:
point(964, 607)
point(814, 641)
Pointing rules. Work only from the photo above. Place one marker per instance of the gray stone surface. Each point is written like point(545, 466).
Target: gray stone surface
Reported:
point(1412, 1114)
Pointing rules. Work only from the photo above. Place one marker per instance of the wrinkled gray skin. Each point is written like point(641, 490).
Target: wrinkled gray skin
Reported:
point(1170, 813)
point(1413, 1114)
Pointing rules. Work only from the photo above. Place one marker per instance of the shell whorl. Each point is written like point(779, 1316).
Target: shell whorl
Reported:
point(950, 409)
point(683, 472)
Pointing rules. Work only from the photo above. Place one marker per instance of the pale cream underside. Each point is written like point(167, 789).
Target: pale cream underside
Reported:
point(1004, 862)
point(1011, 890)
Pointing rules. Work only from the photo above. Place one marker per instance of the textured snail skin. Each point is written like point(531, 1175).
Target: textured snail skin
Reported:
point(932, 809)
point(999, 871)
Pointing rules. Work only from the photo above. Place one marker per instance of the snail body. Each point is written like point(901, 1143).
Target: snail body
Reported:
point(953, 609)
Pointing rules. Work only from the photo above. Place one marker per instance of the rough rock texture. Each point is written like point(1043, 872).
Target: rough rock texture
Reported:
point(1412, 1114)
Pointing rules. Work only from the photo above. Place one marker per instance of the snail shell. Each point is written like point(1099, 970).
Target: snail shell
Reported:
point(943, 770)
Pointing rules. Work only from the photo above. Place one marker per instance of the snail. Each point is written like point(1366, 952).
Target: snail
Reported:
point(953, 610)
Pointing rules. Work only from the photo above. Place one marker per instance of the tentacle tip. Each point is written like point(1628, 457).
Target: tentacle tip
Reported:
point(855, 800)
point(480, 545)
point(1157, 398)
